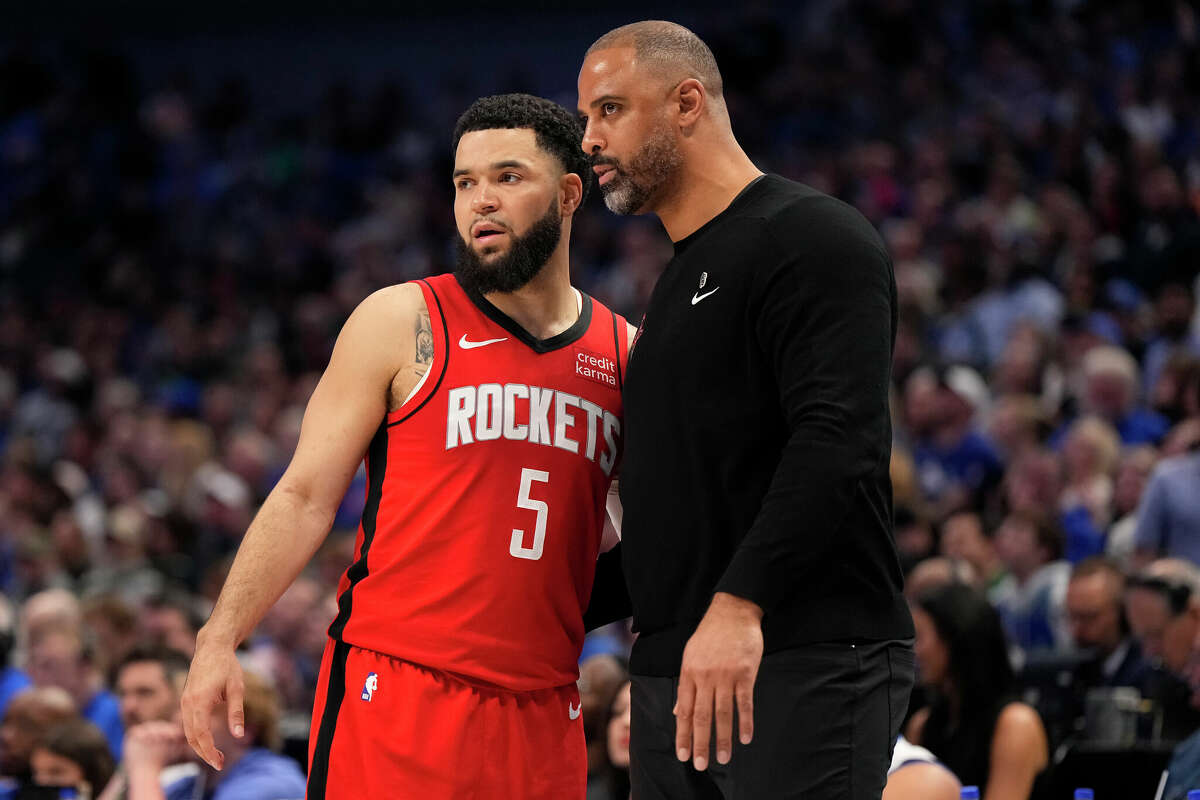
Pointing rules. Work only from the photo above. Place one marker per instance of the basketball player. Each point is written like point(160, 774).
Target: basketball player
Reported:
point(757, 503)
point(488, 406)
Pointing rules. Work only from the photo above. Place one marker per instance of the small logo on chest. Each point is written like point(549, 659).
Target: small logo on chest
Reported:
point(595, 367)
point(697, 297)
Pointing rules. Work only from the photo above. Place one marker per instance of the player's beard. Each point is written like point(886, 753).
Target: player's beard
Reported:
point(653, 166)
point(525, 258)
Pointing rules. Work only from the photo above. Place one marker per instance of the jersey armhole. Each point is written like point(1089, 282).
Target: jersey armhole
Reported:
point(437, 369)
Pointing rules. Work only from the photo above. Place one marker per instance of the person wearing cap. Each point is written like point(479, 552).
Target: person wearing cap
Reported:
point(955, 460)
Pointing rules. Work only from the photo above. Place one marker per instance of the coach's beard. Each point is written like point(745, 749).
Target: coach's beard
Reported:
point(653, 166)
point(525, 258)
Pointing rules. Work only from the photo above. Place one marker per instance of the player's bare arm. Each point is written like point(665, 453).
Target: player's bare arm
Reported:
point(381, 354)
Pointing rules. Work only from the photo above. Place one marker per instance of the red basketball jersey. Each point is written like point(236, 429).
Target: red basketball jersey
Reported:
point(486, 495)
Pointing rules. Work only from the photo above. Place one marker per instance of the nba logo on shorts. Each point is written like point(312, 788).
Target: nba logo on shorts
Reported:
point(370, 686)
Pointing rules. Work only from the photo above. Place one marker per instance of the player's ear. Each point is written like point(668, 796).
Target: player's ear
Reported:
point(570, 192)
point(692, 100)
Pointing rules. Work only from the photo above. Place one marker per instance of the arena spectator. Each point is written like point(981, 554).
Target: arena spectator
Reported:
point(172, 620)
point(963, 537)
point(600, 676)
point(30, 714)
point(1032, 598)
point(252, 767)
point(12, 679)
point(1111, 391)
point(954, 459)
point(63, 658)
point(1165, 602)
point(1085, 505)
point(612, 781)
point(1133, 473)
point(75, 755)
point(1168, 518)
point(1096, 614)
point(149, 681)
point(1163, 606)
point(974, 724)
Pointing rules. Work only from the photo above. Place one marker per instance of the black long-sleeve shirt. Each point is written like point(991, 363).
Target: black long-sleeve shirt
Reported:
point(757, 435)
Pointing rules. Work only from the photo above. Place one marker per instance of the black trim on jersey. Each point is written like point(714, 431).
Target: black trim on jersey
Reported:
point(617, 349)
point(569, 336)
point(376, 466)
point(335, 693)
point(445, 357)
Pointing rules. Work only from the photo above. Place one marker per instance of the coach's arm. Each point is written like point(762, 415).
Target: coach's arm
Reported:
point(376, 344)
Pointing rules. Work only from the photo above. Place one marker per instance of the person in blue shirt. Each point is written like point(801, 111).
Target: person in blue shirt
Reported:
point(954, 459)
point(60, 656)
point(12, 680)
point(252, 767)
point(1111, 391)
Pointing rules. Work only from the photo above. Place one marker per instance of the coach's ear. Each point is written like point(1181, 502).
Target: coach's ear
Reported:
point(570, 192)
point(692, 100)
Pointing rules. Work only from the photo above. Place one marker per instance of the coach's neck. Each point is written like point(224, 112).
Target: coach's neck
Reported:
point(715, 170)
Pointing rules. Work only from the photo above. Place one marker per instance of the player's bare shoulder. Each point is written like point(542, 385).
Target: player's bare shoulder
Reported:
point(390, 329)
point(416, 346)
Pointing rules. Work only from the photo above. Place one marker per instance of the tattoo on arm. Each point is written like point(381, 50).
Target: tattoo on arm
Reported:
point(424, 340)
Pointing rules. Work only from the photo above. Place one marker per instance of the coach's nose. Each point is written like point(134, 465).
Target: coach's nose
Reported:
point(593, 143)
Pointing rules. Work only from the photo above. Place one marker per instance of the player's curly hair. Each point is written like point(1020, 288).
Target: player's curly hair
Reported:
point(556, 129)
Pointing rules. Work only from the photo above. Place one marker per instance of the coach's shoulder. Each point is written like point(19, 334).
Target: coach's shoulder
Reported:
point(829, 243)
point(814, 220)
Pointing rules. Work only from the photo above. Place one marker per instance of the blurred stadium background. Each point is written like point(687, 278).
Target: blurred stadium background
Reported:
point(193, 198)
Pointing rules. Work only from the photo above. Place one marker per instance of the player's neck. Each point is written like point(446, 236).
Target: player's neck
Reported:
point(705, 187)
point(547, 305)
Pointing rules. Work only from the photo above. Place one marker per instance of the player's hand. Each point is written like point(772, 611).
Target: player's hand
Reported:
point(151, 746)
point(720, 664)
point(214, 678)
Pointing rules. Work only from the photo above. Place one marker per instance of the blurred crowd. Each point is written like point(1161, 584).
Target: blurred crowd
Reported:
point(175, 262)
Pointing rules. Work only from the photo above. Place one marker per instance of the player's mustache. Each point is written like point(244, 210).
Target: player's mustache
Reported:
point(490, 221)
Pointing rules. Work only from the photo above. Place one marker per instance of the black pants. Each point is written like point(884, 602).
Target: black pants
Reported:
point(826, 717)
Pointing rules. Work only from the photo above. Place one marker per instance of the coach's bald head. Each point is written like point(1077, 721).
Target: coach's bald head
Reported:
point(666, 51)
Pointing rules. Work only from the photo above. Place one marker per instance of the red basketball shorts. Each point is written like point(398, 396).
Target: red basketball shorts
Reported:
point(385, 728)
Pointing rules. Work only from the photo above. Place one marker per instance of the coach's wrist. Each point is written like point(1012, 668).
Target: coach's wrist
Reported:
point(732, 605)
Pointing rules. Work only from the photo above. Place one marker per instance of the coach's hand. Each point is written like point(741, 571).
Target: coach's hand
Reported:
point(720, 664)
point(214, 678)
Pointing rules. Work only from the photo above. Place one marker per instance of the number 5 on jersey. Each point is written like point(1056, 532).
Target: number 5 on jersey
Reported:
point(517, 549)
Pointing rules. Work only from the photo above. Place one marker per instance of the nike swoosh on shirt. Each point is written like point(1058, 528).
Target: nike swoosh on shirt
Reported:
point(697, 297)
point(466, 344)
point(574, 712)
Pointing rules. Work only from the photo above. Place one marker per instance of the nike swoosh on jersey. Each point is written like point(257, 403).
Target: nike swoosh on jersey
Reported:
point(574, 712)
point(696, 298)
point(466, 344)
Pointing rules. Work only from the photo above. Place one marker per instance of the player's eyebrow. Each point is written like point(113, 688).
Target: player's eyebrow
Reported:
point(498, 165)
